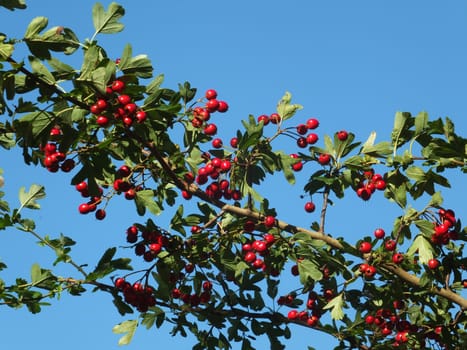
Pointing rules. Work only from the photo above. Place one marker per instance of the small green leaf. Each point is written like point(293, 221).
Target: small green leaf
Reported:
point(421, 123)
point(41, 70)
point(36, 273)
point(13, 4)
point(107, 22)
point(145, 199)
point(285, 109)
point(415, 173)
point(28, 199)
point(35, 27)
point(128, 328)
point(308, 271)
point(436, 200)
point(336, 304)
point(423, 247)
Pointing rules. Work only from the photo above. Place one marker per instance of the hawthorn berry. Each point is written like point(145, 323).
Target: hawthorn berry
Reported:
point(312, 138)
point(217, 143)
point(263, 118)
point(223, 107)
point(365, 247)
point(433, 264)
point(275, 118)
point(310, 207)
point(342, 135)
point(210, 94)
point(269, 221)
point(324, 159)
point(312, 123)
point(302, 129)
point(117, 86)
point(379, 233)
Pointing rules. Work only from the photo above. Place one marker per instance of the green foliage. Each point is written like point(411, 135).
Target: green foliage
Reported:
point(216, 271)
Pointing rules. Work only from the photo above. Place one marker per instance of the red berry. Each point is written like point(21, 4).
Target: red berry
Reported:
point(292, 315)
point(275, 118)
point(117, 86)
point(84, 208)
point(223, 107)
point(324, 159)
point(397, 258)
point(312, 138)
point(211, 94)
point(217, 143)
point(100, 214)
point(263, 118)
point(342, 135)
point(433, 264)
point(302, 129)
point(234, 142)
point(301, 142)
point(141, 116)
point(210, 129)
point(269, 221)
point(297, 166)
point(225, 165)
point(124, 99)
point(94, 109)
point(310, 207)
point(212, 105)
point(102, 121)
point(312, 123)
point(380, 185)
point(390, 245)
point(364, 193)
point(365, 247)
point(102, 104)
point(250, 257)
point(379, 233)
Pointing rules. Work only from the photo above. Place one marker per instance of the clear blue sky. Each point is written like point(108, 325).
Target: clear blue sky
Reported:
point(352, 64)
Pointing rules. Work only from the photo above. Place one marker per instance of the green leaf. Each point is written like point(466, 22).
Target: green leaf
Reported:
point(128, 328)
point(308, 272)
point(436, 200)
point(41, 70)
point(13, 4)
point(35, 27)
point(145, 199)
point(421, 123)
point(415, 173)
point(139, 65)
point(6, 51)
point(107, 22)
point(36, 273)
point(423, 247)
point(336, 304)
point(285, 109)
point(28, 199)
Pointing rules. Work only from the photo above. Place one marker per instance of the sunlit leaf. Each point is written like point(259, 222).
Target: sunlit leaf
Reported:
point(128, 328)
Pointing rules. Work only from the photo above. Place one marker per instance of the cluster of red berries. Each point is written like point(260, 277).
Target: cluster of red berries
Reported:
point(369, 182)
point(201, 115)
point(312, 313)
point(94, 201)
point(194, 299)
point(54, 159)
point(152, 242)
point(255, 251)
point(124, 183)
point(444, 227)
point(136, 294)
point(388, 323)
point(116, 105)
point(213, 169)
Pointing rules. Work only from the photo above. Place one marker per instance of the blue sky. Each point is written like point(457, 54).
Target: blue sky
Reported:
point(351, 64)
